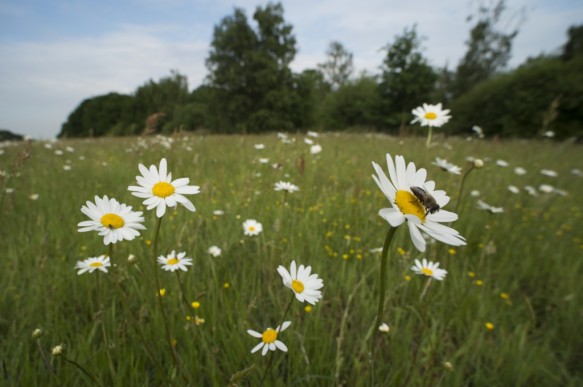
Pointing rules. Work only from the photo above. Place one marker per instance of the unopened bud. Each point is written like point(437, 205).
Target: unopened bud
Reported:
point(478, 163)
point(384, 328)
point(57, 350)
point(37, 333)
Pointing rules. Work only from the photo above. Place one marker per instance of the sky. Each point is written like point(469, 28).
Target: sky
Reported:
point(56, 53)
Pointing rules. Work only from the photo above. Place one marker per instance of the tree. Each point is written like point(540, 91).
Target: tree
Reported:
point(488, 51)
point(407, 79)
point(339, 67)
point(574, 46)
point(249, 72)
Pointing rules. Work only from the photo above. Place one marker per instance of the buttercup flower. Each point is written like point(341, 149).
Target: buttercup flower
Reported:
point(431, 115)
point(269, 341)
point(112, 220)
point(173, 261)
point(407, 207)
point(160, 191)
point(94, 263)
point(251, 227)
point(285, 186)
point(305, 286)
point(430, 269)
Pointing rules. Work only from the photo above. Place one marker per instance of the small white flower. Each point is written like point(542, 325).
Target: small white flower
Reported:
point(269, 341)
point(486, 207)
point(263, 160)
point(549, 134)
point(430, 269)
point(251, 227)
point(549, 173)
point(531, 190)
point(520, 171)
point(309, 141)
point(479, 132)
point(384, 328)
point(173, 261)
point(259, 146)
point(502, 163)
point(304, 284)
point(33, 196)
point(513, 189)
point(218, 212)
point(160, 191)
point(94, 263)
point(285, 186)
point(215, 251)
point(447, 166)
point(313, 134)
point(431, 115)
point(474, 193)
point(546, 188)
point(315, 149)
point(577, 172)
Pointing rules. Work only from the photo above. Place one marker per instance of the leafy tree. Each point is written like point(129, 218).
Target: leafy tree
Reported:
point(311, 91)
point(97, 116)
point(407, 80)
point(338, 67)
point(488, 51)
point(353, 105)
point(574, 46)
point(249, 72)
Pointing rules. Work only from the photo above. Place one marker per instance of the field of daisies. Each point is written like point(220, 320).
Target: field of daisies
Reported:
point(291, 260)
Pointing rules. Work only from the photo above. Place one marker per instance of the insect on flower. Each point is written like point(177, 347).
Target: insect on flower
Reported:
point(426, 200)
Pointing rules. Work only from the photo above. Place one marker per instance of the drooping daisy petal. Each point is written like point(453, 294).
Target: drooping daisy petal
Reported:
point(306, 287)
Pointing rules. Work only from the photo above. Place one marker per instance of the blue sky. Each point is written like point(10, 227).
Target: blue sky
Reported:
point(57, 53)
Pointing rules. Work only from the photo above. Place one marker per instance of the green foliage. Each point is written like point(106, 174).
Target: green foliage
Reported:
point(356, 104)
point(338, 67)
point(518, 103)
point(406, 80)
point(96, 116)
point(488, 49)
point(574, 46)
point(249, 73)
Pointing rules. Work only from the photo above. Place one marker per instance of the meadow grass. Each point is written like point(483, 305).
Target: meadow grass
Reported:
point(531, 253)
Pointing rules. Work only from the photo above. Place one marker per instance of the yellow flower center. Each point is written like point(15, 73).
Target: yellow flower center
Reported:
point(112, 221)
point(251, 228)
point(410, 205)
point(96, 264)
point(297, 286)
point(427, 272)
point(269, 336)
point(430, 115)
point(163, 189)
point(172, 261)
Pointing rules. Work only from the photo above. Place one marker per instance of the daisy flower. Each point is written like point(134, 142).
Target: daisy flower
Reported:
point(514, 189)
point(406, 206)
point(430, 269)
point(269, 341)
point(305, 286)
point(173, 261)
point(431, 115)
point(251, 227)
point(112, 220)
point(447, 166)
point(502, 163)
point(285, 186)
point(94, 263)
point(520, 171)
point(160, 191)
point(549, 173)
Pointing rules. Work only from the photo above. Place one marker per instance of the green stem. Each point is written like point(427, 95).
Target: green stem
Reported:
point(383, 275)
point(80, 368)
point(159, 297)
point(428, 143)
point(101, 313)
point(459, 195)
point(271, 355)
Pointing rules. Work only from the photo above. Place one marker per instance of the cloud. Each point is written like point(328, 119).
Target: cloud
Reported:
point(59, 75)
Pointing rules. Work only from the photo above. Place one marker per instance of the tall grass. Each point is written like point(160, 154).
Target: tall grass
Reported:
point(531, 252)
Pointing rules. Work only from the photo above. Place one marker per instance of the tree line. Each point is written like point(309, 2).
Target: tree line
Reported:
point(250, 87)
